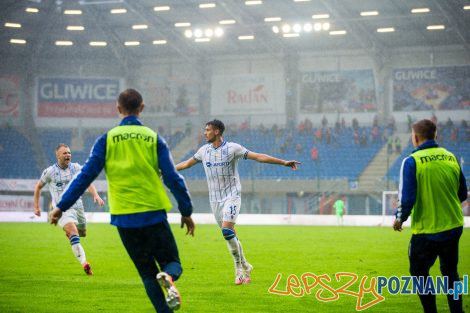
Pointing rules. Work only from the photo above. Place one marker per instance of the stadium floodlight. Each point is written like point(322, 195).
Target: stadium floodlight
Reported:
point(290, 35)
point(207, 5)
point(320, 16)
point(159, 42)
point(275, 29)
point(435, 27)
point(161, 8)
point(246, 37)
point(297, 28)
point(273, 19)
point(75, 28)
point(140, 26)
point(118, 11)
point(369, 13)
point(253, 2)
point(63, 43)
point(198, 33)
point(286, 28)
point(308, 27)
point(18, 41)
point(466, 7)
point(227, 22)
point(13, 25)
point(218, 32)
point(301, 0)
point(385, 30)
point(337, 32)
point(202, 39)
point(182, 24)
point(325, 26)
point(98, 43)
point(32, 10)
point(317, 27)
point(209, 33)
point(73, 12)
point(132, 43)
point(188, 33)
point(420, 10)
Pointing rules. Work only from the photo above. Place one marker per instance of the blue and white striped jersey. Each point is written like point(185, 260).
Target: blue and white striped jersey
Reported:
point(221, 167)
point(58, 180)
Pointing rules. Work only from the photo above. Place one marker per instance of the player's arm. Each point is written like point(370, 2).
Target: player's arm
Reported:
point(407, 193)
point(37, 194)
point(95, 195)
point(175, 182)
point(186, 164)
point(264, 158)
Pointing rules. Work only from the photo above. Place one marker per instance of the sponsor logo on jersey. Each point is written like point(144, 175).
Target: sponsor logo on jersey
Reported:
point(209, 164)
point(437, 157)
point(128, 136)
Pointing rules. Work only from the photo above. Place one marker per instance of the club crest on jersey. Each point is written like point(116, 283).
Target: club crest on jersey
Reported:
point(224, 152)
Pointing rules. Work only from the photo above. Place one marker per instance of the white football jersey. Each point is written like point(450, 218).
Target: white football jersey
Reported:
point(58, 180)
point(221, 167)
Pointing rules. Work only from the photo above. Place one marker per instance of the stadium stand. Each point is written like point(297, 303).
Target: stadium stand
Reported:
point(16, 156)
point(340, 157)
point(459, 145)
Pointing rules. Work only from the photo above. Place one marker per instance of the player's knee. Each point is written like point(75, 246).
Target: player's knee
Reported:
point(228, 233)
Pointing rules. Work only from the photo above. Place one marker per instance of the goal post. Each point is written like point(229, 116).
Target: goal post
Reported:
point(389, 205)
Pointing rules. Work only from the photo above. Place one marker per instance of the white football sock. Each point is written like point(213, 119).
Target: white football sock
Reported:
point(77, 249)
point(236, 250)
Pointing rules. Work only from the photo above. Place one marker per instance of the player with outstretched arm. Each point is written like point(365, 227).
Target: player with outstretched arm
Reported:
point(220, 160)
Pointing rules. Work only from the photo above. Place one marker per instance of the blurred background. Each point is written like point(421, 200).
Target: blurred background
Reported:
point(334, 84)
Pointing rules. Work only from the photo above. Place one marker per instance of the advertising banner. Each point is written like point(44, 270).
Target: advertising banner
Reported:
point(170, 96)
point(77, 97)
point(337, 91)
point(16, 203)
point(248, 94)
point(432, 88)
point(9, 96)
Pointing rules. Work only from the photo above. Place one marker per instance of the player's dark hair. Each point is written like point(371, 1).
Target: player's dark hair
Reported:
point(130, 101)
point(425, 129)
point(60, 145)
point(217, 124)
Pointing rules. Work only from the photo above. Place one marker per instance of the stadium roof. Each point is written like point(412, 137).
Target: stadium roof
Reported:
point(149, 28)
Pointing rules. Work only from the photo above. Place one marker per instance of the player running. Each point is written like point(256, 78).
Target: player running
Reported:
point(58, 176)
point(220, 161)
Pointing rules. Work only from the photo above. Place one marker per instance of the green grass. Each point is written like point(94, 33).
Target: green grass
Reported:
point(39, 273)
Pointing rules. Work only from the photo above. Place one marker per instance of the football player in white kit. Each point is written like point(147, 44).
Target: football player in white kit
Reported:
point(58, 177)
point(220, 160)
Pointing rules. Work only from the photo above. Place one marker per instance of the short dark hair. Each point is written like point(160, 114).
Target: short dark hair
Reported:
point(217, 124)
point(60, 145)
point(425, 129)
point(130, 101)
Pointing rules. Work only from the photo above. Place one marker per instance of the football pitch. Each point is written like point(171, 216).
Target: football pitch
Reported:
point(40, 274)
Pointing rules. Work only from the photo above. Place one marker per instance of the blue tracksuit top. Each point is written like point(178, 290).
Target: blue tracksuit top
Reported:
point(408, 187)
point(95, 163)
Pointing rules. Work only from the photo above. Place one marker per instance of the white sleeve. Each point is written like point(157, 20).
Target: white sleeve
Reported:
point(239, 151)
point(198, 155)
point(46, 176)
point(77, 166)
